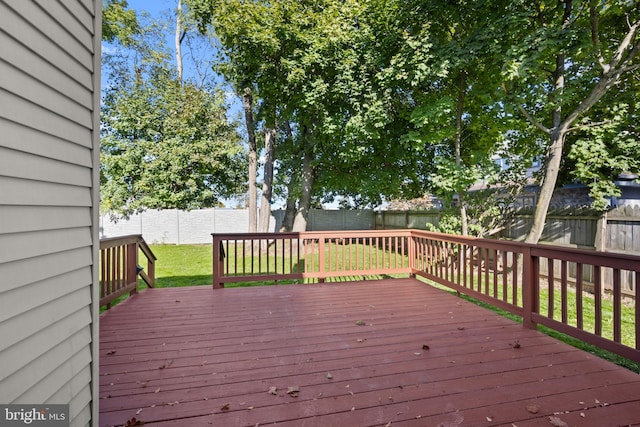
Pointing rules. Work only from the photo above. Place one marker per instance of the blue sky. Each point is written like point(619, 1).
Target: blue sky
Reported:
point(154, 7)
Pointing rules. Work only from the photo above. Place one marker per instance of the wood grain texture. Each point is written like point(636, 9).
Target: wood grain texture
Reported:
point(397, 351)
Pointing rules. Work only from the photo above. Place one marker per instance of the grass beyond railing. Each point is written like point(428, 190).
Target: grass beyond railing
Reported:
point(504, 274)
point(310, 255)
point(119, 269)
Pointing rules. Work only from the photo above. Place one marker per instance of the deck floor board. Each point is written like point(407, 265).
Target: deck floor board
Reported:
point(200, 357)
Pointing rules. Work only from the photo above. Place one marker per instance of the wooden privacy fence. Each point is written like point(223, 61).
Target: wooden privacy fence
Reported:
point(502, 273)
point(119, 268)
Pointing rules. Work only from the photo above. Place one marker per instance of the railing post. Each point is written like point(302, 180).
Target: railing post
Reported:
point(412, 254)
point(132, 266)
point(151, 270)
point(530, 287)
point(218, 263)
point(321, 270)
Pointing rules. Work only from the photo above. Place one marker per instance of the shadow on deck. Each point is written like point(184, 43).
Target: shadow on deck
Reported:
point(391, 352)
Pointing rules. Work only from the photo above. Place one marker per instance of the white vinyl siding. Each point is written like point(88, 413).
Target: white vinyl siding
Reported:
point(49, 120)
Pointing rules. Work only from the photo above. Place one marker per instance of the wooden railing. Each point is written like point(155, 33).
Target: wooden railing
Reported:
point(119, 267)
point(505, 274)
point(313, 255)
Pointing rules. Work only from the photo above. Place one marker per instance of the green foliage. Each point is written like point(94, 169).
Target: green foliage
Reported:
point(165, 143)
point(119, 24)
point(398, 98)
point(601, 153)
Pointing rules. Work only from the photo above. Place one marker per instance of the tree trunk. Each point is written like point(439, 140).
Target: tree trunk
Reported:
point(553, 161)
point(253, 160)
point(180, 33)
point(308, 178)
point(267, 184)
point(554, 157)
point(290, 209)
point(292, 199)
point(459, 112)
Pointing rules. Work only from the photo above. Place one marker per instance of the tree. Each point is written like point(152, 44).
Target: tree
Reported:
point(446, 66)
point(166, 143)
point(561, 58)
point(119, 24)
point(314, 67)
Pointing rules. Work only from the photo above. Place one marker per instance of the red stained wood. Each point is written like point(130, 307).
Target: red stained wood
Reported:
point(200, 357)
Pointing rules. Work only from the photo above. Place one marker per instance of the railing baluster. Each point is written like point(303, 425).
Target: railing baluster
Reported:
point(550, 288)
point(505, 276)
point(597, 303)
point(637, 308)
point(617, 306)
point(495, 272)
point(487, 263)
point(465, 250)
point(579, 312)
point(563, 290)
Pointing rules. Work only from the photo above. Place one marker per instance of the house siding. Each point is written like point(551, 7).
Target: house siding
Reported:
point(49, 177)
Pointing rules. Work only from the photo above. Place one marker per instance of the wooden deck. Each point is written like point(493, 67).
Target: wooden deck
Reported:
point(375, 353)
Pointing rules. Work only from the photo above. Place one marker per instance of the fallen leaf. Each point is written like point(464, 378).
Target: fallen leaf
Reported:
point(111, 353)
point(516, 344)
point(360, 340)
point(225, 407)
point(489, 419)
point(361, 323)
point(133, 422)
point(582, 414)
point(157, 390)
point(425, 347)
point(293, 391)
point(557, 422)
point(273, 390)
point(533, 409)
point(138, 411)
point(329, 376)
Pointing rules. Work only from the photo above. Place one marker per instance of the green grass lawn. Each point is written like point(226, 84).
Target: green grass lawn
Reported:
point(182, 265)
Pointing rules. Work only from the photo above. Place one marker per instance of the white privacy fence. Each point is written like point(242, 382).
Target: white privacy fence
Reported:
point(172, 226)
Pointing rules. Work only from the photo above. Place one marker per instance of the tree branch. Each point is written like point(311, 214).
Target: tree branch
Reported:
point(533, 121)
point(617, 67)
point(526, 114)
point(595, 36)
point(624, 45)
point(589, 125)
